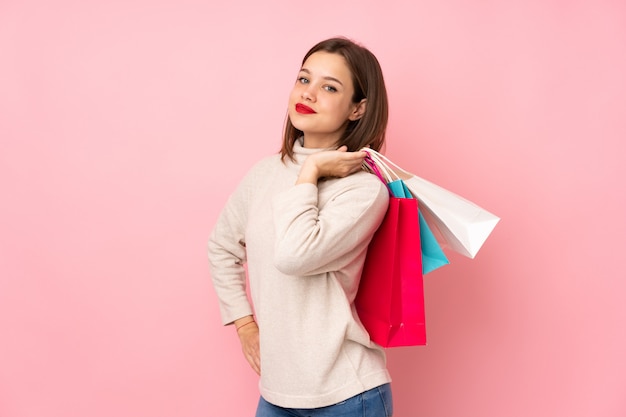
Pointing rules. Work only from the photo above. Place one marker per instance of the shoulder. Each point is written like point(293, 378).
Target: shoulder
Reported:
point(253, 178)
point(261, 169)
point(360, 188)
point(266, 163)
point(365, 182)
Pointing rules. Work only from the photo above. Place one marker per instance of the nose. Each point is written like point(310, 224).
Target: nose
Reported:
point(307, 93)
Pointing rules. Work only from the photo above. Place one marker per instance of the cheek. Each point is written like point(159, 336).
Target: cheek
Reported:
point(291, 97)
point(295, 93)
point(343, 108)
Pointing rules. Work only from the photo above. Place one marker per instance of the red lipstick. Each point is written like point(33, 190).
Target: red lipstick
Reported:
point(303, 109)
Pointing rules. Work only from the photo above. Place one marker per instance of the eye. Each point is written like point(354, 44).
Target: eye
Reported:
point(303, 80)
point(330, 89)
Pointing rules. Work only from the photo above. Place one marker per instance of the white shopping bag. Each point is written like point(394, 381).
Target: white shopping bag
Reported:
point(462, 225)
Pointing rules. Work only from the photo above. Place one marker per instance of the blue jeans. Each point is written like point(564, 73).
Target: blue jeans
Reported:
point(376, 402)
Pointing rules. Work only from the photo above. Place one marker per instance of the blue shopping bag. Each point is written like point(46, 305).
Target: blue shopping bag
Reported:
point(432, 254)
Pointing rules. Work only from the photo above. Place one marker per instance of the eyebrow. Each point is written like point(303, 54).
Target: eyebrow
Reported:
point(328, 78)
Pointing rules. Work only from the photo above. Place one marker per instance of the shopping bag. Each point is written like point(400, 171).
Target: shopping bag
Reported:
point(460, 224)
point(432, 254)
point(464, 226)
point(390, 300)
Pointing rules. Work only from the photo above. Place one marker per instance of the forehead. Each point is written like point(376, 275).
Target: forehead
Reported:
point(326, 64)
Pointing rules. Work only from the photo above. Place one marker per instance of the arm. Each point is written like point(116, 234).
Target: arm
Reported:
point(227, 255)
point(312, 240)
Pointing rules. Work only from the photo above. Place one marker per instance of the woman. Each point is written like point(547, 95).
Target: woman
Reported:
point(302, 221)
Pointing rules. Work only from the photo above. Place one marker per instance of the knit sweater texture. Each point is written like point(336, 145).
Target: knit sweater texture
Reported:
point(304, 246)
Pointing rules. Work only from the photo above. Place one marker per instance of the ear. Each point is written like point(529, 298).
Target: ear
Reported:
point(359, 110)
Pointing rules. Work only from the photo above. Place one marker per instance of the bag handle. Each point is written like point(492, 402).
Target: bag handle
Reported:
point(382, 158)
point(387, 171)
point(369, 164)
point(377, 165)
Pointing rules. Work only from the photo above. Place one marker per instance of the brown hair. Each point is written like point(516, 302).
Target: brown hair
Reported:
point(368, 82)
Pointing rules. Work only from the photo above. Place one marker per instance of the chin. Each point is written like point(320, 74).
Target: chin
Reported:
point(299, 124)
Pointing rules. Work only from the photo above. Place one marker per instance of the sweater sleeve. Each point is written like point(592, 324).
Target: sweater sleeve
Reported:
point(311, 240)
point(227, 255)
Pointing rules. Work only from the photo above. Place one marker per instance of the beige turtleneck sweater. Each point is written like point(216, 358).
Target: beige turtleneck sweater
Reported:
point(304, 246)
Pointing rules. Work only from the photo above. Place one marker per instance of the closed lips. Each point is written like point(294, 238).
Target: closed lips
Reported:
point(301, 108)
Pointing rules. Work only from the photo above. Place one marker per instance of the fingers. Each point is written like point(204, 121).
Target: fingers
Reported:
point(249, 338)
point(254, 354)
point(348, 163)
point(335, 163)
point(254, 359)
point(342, 163)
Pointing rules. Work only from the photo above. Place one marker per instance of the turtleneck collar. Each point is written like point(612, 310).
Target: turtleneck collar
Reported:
point(300, 152)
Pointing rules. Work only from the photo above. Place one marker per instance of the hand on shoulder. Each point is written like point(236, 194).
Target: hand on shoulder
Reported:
point(335, 163)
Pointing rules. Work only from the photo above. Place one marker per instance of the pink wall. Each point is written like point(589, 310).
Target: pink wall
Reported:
point(125, 124)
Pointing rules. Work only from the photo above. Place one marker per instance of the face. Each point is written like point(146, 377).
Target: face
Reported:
point(320, 104)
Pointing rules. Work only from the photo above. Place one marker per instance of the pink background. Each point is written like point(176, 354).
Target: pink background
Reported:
point(124, 125)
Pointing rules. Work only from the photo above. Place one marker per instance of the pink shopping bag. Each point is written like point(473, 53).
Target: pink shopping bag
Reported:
point(390, 300)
